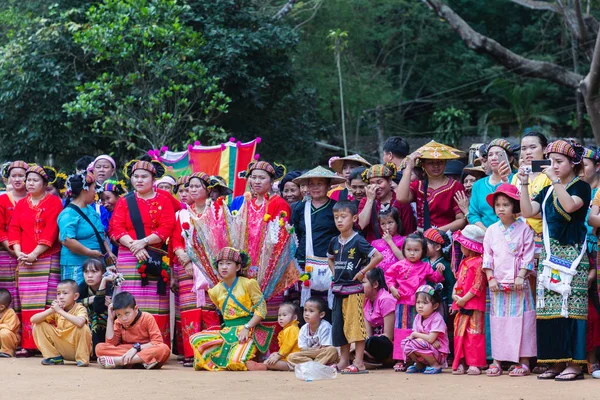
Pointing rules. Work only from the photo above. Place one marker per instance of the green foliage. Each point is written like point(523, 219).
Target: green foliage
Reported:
point(449, 125)
point(152, 88)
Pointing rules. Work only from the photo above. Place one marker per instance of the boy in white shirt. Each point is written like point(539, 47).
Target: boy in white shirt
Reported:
point(314, 339)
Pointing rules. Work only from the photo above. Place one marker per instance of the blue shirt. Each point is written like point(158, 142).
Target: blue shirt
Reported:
point(479, 209)
point(72, 226)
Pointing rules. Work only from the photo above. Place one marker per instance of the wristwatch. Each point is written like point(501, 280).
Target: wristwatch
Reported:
point(137, 347)
point(146, 240)
point(247, 326)
point(556, 181)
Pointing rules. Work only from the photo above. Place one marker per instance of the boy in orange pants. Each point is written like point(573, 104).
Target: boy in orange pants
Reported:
point(134, 338)
point(9, 326)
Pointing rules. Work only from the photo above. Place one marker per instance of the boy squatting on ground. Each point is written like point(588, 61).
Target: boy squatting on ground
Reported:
point(61, 332)
point(134, 338)
point(9, 326)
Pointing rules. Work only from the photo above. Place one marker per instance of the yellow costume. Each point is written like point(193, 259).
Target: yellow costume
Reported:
point(218, 349)
point(9, 332)
point(57, 336)
point(288, 340)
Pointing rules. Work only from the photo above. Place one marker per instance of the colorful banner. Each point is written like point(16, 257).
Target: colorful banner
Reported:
point(226, 160)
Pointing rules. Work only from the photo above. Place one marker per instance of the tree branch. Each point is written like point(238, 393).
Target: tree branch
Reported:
point(538, 5)
point(510, 60)
point(591, 83)
point(283, 11)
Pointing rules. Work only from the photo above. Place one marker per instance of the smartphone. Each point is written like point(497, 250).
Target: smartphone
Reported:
point(503, 157)
point(536, 165)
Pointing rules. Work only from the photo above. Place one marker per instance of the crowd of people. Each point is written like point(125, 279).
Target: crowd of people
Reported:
point(417, 263)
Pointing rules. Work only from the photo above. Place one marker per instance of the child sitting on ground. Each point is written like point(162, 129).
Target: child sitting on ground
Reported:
point(287, 317)
point(62, 332)
point(134, 338)
point(95, 294)
point(350, 257)
point(314, 339)
point(9, 326)
point(428, 343)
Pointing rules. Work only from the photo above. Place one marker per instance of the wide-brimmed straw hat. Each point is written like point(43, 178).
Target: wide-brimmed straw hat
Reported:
point(471, 237)
point(319, 172)
point(506, 189)
point(438, 151)
point(477, 171)
point(338, 164)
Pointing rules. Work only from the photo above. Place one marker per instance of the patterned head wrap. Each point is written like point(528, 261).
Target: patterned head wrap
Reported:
point(503, 143)
point(204, 177)
point(387, 170)
point(48, 174)
point(231, 254)
point(566, 149)
point(276, 171)
point(434, 235)
point(15, 164)
point(155, 167)
point(591, 154)
point(426, 289)
point(116, 187)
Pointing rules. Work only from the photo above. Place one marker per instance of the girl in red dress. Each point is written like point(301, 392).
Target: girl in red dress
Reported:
point(33, 236)
point(141, 223)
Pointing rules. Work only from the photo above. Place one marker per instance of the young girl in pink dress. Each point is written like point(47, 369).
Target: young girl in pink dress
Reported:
point(403, 278)
point(428, 344)
point(507, 261)
point(390, 244)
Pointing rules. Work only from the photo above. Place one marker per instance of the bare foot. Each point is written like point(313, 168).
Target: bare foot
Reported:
point(255, 366)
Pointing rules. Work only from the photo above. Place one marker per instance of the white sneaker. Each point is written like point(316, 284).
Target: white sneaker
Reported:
point(596, 374)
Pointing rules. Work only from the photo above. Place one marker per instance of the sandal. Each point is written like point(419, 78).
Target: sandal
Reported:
point(572, 376)
point(6, 355)
point(459, 371)
point(473, 371)
point(53, 361)
point(353, 370)
point(414, 370)
point(107, 362)
point(591, 367)
point(540, 369)
point(23, 353)
point(520, 370)
point(494, 370)
point(150, 365)
point(400, 367)
point(549, 374)
point(432, 371)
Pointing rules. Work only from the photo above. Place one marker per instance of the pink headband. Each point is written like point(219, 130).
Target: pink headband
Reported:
point(107, 158)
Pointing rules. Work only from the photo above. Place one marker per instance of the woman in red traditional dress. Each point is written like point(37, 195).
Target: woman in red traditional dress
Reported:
point(141, 223)
point(14, 173)
point(33, 236)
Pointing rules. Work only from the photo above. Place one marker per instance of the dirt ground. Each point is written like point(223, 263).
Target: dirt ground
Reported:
point(28, 379)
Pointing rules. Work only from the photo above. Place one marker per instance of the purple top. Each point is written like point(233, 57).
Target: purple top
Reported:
point(435, 323)
point(388, 255)
point(376, 311)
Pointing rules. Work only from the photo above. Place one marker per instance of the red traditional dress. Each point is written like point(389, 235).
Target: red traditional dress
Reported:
point(30, 226)
point(158, 217)
point(373, 230)
point(8, 263)
point(191, 295)
point(469, 324)
point(442, 205)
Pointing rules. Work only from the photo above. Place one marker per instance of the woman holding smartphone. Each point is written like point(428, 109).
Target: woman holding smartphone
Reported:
point(500, 155)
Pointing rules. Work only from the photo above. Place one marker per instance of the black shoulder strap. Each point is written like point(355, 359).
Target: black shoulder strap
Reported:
point(103, 248)
point(375, 221)
point(136, 217)
point(344, 195)
point(426, 215)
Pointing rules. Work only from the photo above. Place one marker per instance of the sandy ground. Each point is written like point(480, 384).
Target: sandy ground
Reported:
point(27, 379)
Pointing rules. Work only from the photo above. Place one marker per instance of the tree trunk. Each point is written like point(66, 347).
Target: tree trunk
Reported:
point(530, 68)
point(380, 130)
point(338, 62)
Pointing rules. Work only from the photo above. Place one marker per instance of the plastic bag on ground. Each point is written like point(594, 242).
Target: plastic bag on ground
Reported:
point(314, 371)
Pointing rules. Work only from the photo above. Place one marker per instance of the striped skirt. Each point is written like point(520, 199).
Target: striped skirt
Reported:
point(213, 353)
point(8, 278)
point(145, 296)
point(405, 315)
point(187, 314)
point(37, 291)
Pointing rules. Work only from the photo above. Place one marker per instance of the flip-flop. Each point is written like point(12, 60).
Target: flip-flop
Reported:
point(575, 376)
point(432, 371)
point(5, 355)
point(473, 371)
point(107, 362)
point(53, 361)
point(494, 370)
point(82, 364)
point(353, 370)
point(548, 375)
point(521, 370)
point(459, 371)
point(414, 370)
point(150, 365)
point(400, 367)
